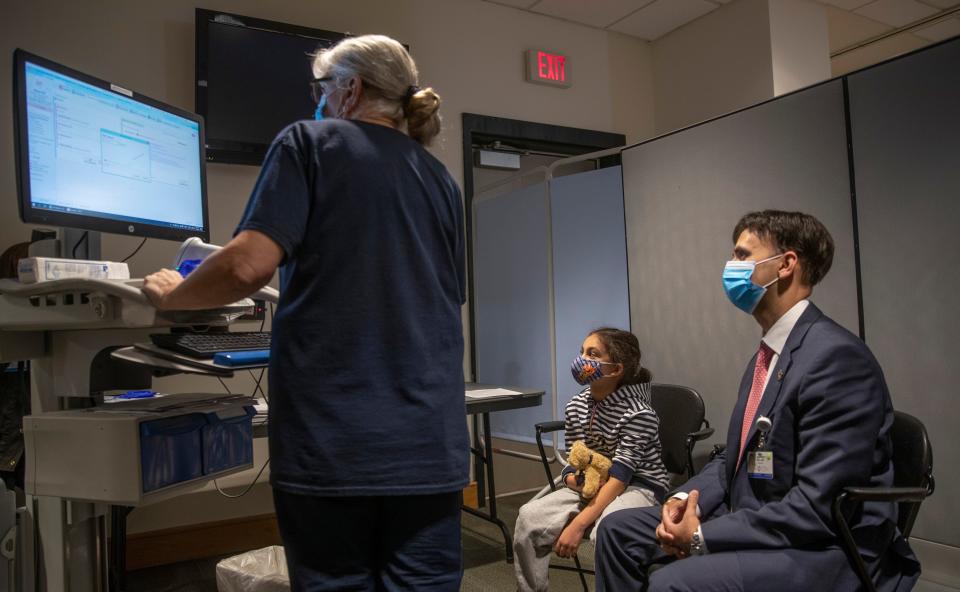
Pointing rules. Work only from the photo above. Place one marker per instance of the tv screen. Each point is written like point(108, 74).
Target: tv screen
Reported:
point(253, 79)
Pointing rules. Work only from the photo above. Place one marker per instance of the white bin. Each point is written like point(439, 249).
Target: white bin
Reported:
point(263, 570)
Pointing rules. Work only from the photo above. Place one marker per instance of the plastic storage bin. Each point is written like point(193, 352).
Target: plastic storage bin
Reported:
point(227, 441)
point(171, 450)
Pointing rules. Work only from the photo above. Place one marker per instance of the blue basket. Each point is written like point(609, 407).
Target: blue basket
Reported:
point(227, 442)
point(170, 450)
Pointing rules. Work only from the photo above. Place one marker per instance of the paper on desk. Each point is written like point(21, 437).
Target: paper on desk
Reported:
point(490, 393)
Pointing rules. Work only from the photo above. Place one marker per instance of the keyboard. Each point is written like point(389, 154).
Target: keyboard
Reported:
point(206, 345)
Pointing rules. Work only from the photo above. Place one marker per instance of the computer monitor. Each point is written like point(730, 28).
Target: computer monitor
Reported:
point(96, 156)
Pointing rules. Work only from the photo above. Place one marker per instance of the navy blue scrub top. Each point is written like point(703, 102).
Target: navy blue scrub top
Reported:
point(366, 374)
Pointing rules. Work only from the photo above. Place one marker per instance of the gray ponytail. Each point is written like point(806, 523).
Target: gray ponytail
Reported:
point(390, 81)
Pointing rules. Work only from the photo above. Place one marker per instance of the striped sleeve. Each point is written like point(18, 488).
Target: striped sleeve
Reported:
point(573, 427)
point(574, 413)
point(638, 445)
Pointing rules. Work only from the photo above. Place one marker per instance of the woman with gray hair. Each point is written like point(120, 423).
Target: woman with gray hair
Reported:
point(368, 441)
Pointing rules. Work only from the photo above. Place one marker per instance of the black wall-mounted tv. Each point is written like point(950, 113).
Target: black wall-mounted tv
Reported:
point(253, 80)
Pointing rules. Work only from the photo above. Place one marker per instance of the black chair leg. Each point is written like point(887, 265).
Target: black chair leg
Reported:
point(583, 579)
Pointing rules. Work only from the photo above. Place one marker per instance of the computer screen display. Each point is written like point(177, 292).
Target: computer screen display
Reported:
point(97, 156)
point(253, 78)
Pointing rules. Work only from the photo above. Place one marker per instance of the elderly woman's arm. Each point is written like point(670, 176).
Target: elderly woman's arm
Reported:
point(236, 271)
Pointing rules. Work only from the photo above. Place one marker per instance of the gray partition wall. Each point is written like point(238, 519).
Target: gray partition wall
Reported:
point(512, 304)
point(905, 119)
point(512, 336)
point(590, 265)
point(683, 194)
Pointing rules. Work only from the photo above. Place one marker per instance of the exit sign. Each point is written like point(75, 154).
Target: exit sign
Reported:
point(548, 67)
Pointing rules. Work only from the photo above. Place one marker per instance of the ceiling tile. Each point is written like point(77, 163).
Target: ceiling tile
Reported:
point(846, 4)
point(896, 13)
point(942, 3)
point(944, 29)
point(514, 3)
point(596, 13)
point(849, 28)
point(661, 17)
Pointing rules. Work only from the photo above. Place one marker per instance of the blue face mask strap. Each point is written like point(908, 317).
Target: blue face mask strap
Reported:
point(318, 113)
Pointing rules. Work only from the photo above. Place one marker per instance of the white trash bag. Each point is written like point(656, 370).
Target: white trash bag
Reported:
point(263, 570)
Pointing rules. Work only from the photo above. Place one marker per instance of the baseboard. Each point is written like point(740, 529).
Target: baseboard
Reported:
point(197, 541)
point(939, 563)
point(209, 539)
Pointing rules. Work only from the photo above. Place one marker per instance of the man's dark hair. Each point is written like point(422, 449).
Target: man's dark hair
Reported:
point(793, 231)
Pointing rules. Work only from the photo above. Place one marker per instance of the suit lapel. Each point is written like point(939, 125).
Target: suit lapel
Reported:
point(778, 375)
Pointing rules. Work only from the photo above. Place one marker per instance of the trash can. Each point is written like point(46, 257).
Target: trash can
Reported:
point(263, 570)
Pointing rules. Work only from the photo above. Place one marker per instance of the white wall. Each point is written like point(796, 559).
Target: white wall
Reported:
point(743, 53)
point(713, 65)
point(471, 52)
point(799, 45)
point(847, 28)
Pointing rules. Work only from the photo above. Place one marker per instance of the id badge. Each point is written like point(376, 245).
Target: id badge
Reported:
point(760, 464)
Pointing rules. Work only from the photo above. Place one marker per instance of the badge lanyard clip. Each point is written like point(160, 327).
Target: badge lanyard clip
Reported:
point(763, 426)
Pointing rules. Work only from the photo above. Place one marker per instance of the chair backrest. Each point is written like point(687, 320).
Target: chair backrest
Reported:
point(680, 409)
point(912, 463)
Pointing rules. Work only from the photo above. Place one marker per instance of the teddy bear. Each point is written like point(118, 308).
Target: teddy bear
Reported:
point(593, 465)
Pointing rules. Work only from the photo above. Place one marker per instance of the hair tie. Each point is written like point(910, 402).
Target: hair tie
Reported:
point(411, 90)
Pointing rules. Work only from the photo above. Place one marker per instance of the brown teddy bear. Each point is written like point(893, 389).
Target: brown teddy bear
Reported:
point(593, 465)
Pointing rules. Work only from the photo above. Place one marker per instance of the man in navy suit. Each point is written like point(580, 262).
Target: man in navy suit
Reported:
point(813, 416)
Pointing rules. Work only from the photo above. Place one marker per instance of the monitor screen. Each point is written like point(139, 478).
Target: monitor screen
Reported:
point(253, 79)
point(97, 156)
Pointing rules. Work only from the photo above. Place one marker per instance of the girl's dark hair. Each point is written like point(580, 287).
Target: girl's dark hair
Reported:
point(624, 348)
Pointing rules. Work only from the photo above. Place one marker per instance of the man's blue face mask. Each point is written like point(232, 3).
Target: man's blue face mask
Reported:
point(318, 114)
point(739, 286)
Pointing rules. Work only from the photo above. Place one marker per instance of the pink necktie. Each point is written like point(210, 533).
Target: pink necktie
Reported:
point(756, 391)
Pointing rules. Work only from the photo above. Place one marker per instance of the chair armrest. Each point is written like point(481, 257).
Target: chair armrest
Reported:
point(886, 494)
point(701, 434)
point(542, 428)
point(549, 426)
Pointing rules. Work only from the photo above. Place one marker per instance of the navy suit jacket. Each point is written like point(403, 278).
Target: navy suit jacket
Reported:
point(832, 415)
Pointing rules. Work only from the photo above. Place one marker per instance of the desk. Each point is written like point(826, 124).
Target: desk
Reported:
point(484, 456)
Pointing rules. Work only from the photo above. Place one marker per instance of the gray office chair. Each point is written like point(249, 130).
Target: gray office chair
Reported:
point(682, 425)
point(912, 483)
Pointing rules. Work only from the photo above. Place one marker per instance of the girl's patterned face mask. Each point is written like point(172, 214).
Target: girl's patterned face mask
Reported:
point(585, 370)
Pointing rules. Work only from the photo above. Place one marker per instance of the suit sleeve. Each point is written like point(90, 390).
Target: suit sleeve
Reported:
point(711, 482)
point(841, 408)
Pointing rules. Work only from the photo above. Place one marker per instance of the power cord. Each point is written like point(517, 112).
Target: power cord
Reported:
point(224, 385)
point(135, 251)
point(258, 386)
point(258, 380)
point(80, 241)
point(247, 489)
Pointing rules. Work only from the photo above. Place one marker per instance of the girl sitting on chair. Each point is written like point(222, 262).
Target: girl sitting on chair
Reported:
point(613, 417)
